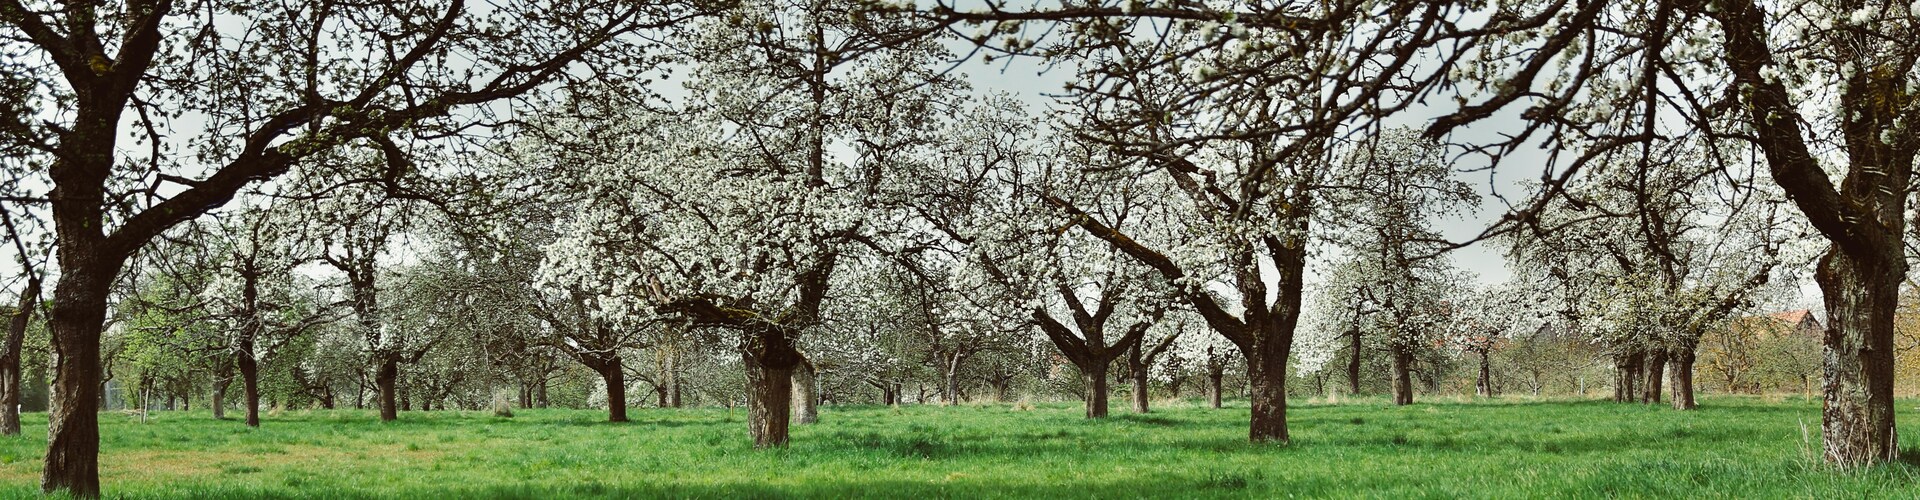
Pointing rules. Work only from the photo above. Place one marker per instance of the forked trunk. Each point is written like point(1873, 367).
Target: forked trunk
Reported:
point(1402, 376)
point(1857, 414)
point(950, 384)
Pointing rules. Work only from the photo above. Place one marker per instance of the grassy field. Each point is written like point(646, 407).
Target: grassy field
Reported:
point(1731, 447)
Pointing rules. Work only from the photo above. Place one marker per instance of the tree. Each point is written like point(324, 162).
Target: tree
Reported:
point(17, 322)
point(1733, 70)
point(272, 86)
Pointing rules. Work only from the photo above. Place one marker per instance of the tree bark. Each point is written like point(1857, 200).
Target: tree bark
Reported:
point(806, 394)
point(540, 392)
point(1484, 386)
point(219, 405)
point(1267, 389)
point(1402, 376)
point(1353, 362)
point(10, 378)
point(78, 315)
point(769, 359)
point(1626, 382)
point(385, 379)
point(1656, 366)
point(1213, 388)
point(1095, 377)
point(1137, 373)
point(1857, 416)
point(1683, 379)
point(950, 379)
point(250, 385)
point(615, 377)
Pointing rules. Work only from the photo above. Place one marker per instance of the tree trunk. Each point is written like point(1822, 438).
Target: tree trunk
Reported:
point(1267, 389)
point(250, 387)
point(806, 394)
point(1656, 366)
point(1213, 388)
point(1095, 376)
point(385, 379)
point(1857, 421)
point(1137, 371)
point(219, 405)
point(76, 320)
point(1484, 386)
point(540, 392)
point(1683, 379)
point(1626, 385)
point(769, 390)
point(10, 378)
point(1402, 376)
point(1353, 362)
point(615, 377)
point(950, 383)
point(769, 359)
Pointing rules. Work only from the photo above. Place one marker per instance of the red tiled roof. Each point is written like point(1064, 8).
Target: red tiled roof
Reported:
point(1795, 316)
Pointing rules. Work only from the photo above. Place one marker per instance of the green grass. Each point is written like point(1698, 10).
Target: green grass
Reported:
point(1731, 447)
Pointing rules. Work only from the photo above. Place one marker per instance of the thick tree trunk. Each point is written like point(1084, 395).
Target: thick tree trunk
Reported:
point(1095, 376)
point(806, 394)
point(540, 392)
point(386, 378)
point(769, 393)
point(1656, 366)
point(10, 378)
point(76, 320)
point(250, 387)
point(1683, 379)
point(769, 359)
point(1267, 390)
point(615, 376)
point(1484, 386)
point(1857, 415)
point(1213, 388)
point(1402, 376)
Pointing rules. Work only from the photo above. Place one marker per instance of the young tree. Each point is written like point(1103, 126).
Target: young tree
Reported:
point(18, 320)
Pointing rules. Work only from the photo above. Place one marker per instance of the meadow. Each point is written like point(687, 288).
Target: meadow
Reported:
point(1731, 447)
